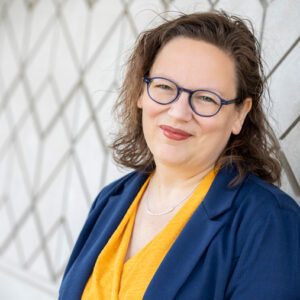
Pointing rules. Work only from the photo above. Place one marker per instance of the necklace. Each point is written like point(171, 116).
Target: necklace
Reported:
point(169, 209)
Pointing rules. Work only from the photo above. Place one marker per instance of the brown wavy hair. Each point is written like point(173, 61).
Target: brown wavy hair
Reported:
point(255, 149)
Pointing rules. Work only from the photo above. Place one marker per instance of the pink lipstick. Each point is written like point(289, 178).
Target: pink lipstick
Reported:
point(174, 133)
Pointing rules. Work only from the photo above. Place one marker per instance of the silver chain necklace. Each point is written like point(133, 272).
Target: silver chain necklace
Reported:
point(169, 209)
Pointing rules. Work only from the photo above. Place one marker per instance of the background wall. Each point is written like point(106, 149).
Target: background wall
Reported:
point(60, 68)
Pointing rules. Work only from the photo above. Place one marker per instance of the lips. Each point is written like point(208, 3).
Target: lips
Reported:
point(174, 133)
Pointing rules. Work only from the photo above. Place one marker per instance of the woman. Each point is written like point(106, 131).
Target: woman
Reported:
point(200, 217)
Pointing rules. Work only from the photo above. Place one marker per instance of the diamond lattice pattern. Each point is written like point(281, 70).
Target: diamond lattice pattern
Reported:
point(60, 69)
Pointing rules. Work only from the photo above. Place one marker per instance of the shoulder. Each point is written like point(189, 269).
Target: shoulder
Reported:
point(118, 184)
point(266, 197)
point(265, 230)
point(262, 207)
point(113, 188)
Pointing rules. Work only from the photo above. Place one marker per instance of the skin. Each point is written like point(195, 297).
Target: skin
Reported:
point(180, 165)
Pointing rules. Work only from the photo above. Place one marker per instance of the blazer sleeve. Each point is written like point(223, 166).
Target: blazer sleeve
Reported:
point(269, 264)
point(94, 213)
point(99, 202)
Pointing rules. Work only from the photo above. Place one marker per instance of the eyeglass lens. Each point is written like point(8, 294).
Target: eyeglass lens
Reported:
point(165, 91)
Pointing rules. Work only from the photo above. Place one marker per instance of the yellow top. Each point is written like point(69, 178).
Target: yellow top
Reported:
point(113, 279)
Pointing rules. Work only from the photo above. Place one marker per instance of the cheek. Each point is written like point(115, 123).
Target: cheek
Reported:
point(209, 125)
point(149, 117)
point(216, 130)
point(151, 109)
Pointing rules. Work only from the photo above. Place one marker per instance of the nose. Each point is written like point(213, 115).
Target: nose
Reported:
point(180, 108)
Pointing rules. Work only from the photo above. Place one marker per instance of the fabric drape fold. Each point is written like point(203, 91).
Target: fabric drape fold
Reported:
point(112, 278)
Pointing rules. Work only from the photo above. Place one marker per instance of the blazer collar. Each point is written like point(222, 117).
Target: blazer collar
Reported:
point(212, 203)
point(220, 197)
point(110, 207)
point(190, 244)
point(193, 240)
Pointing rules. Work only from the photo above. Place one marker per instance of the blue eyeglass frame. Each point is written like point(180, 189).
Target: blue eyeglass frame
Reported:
point(148, 80)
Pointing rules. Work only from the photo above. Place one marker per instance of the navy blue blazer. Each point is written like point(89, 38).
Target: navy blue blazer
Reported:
point(240, 244)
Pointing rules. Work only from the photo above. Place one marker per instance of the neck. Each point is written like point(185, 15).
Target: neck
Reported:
point(169, 185)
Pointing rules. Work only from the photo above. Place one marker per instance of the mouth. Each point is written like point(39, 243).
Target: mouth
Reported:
point(174, 133)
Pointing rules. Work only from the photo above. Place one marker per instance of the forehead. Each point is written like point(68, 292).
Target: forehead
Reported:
point(195, 63)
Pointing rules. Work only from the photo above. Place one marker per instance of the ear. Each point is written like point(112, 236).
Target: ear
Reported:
point(241, 113)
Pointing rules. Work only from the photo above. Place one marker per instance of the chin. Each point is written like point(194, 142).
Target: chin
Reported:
point(171, 158)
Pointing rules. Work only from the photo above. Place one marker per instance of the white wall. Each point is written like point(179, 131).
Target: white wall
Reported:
point(60, 67)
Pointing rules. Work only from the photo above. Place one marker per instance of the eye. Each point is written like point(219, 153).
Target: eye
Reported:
point(163, 87)
point(207, 99)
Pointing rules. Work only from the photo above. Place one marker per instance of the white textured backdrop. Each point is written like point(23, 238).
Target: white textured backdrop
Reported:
point(60, 68)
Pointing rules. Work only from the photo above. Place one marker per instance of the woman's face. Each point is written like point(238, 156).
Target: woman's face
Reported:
point(175, 135)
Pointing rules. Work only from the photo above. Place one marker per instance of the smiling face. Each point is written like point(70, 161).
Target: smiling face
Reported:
point(175, 135)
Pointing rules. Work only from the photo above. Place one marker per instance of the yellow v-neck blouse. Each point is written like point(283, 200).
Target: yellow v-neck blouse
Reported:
point(113, 279)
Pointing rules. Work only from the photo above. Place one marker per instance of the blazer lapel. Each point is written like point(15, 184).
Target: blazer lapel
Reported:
point(193, 240)
point(109, 217)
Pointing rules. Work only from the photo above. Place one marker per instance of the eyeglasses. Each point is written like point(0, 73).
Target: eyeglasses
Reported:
point(203, 102)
